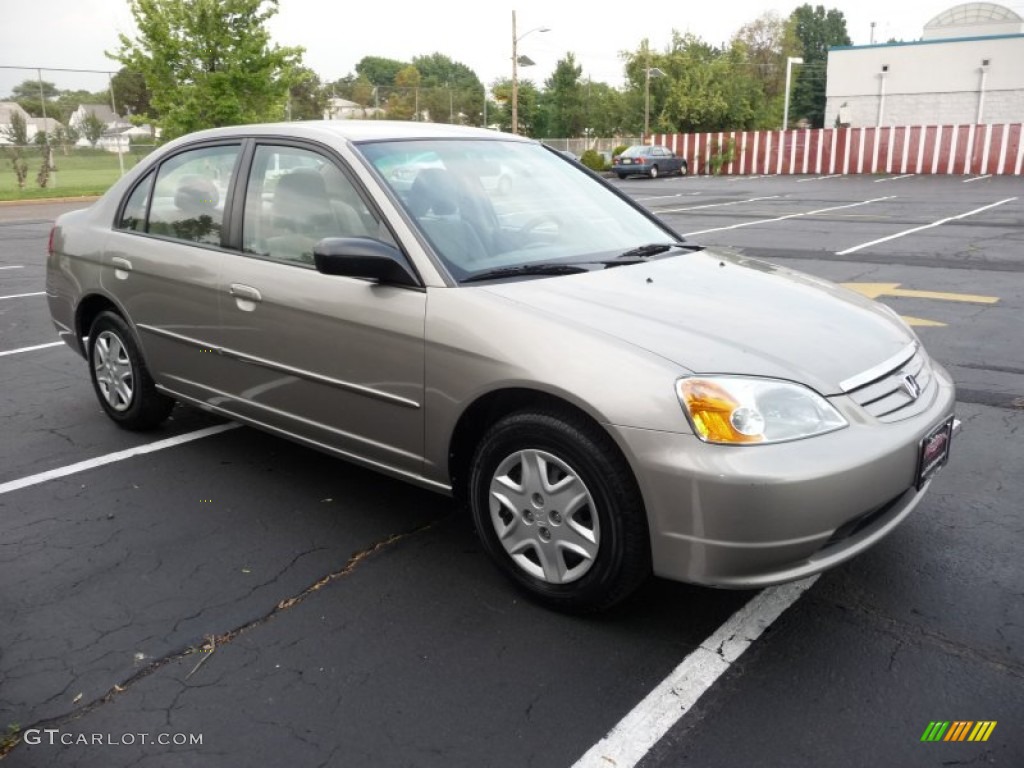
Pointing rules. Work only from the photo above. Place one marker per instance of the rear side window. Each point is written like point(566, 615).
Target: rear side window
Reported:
point(133, 216)
point(189, 195)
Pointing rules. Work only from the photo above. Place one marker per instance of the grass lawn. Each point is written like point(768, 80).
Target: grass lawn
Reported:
point(81, 172)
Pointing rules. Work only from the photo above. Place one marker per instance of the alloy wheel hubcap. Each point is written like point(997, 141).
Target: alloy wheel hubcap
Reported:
point(114, 375)
point(544, 516)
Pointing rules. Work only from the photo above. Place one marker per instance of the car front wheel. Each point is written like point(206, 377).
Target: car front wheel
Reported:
point(557, 508)
point(120, 378)
point(683, 169)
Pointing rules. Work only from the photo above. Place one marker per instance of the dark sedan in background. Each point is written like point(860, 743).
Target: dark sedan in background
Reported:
point(650, 161)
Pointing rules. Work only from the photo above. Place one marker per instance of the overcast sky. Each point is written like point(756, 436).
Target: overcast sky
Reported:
point(336, 35)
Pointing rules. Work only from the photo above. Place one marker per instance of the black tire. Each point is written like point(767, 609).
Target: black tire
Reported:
point(684, 169)
point(619, 556)
point(114, 355)
point(621, 175)
point(653, 173)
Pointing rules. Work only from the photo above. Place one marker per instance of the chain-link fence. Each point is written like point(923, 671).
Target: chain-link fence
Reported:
point(69, 130)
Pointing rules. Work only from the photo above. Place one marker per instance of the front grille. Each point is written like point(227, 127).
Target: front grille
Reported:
point(888, 398)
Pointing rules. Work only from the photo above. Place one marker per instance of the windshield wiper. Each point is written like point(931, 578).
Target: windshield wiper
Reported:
point(653, 249)
point(526, 269)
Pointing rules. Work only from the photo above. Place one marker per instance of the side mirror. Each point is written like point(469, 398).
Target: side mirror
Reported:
point(362, 257)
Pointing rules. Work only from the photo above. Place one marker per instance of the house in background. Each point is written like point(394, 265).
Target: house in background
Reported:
point(33, 125)
point(112, 139)
point(343, 109)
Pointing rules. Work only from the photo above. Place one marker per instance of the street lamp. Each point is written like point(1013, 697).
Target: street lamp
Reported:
point(650, 72)
point(518, 61)
point(790, 61)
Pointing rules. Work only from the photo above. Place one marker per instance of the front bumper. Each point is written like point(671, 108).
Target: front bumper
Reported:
point(752, 516)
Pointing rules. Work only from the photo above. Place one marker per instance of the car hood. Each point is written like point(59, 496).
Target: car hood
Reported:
point(716, 311)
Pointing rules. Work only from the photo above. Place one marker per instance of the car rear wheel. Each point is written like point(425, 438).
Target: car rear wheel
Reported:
point(557, 508)
point(653, 173)
point(683, 169)
point(119, 376)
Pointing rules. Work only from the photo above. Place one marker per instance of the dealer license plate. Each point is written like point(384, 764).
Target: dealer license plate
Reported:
point(934, 451)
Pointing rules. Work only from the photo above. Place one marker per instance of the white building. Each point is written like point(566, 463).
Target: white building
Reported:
point(967, 68)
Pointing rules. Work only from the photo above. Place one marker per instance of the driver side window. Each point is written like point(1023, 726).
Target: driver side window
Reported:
point(295, 198)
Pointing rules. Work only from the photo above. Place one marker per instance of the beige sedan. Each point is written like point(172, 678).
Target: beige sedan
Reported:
point(610, 400)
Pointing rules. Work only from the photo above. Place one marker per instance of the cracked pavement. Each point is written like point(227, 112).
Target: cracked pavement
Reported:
point(316, 614)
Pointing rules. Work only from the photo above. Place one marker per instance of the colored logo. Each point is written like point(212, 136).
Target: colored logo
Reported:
point(958, 730)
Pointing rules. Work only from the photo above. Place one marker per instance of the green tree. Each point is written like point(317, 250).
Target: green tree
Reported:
point(403, 103)
point(703, 88)
point(604, 109)
point(31, 95)
point(16, 132)
point(768, 41)
point(307, 98)
point(30, 89)
point(529, 106)
point(131, 95)
point(18, 164)
point(92, 128)
point(66, 136)
point(209, 63)
point(450, 91)
point(380, 71)
point(562, 103)
point(817, 30)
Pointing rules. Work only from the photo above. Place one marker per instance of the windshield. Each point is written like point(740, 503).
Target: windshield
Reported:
point(487, 204)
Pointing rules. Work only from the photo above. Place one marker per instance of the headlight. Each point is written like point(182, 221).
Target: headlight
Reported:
point(735, 410)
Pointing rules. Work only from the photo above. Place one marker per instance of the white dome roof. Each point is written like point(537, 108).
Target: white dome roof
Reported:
point(974, 19)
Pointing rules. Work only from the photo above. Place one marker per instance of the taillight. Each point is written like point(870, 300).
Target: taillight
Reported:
point(49, 245)
point(639, 161)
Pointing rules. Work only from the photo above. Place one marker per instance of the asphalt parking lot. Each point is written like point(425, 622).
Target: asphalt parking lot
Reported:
point(286, 608)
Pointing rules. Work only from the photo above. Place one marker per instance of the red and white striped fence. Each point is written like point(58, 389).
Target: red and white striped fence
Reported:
point(931, 149)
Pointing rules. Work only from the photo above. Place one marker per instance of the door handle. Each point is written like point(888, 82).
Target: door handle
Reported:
point(121, 267)
point(246, 297)
point(247, 292)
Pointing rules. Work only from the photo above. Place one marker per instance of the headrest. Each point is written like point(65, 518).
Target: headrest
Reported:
point(196, 195)
point(434, 190)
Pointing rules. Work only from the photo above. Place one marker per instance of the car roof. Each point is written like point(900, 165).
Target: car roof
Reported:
point(356, 131)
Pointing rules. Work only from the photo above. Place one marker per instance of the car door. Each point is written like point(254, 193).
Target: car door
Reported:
point(162, 264)
point(667, 160)
point(331, 360)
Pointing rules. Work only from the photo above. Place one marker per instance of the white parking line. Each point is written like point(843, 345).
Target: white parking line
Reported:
point(716, 205)
point(110, 458)
point(977, 178)
point(634, 735)
point(661, 197)
point(22, 295)
point(789, 216)
point(894, 178)
point(31, 349)
point(820, 178)
point(18, 266)
point(905, 232)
